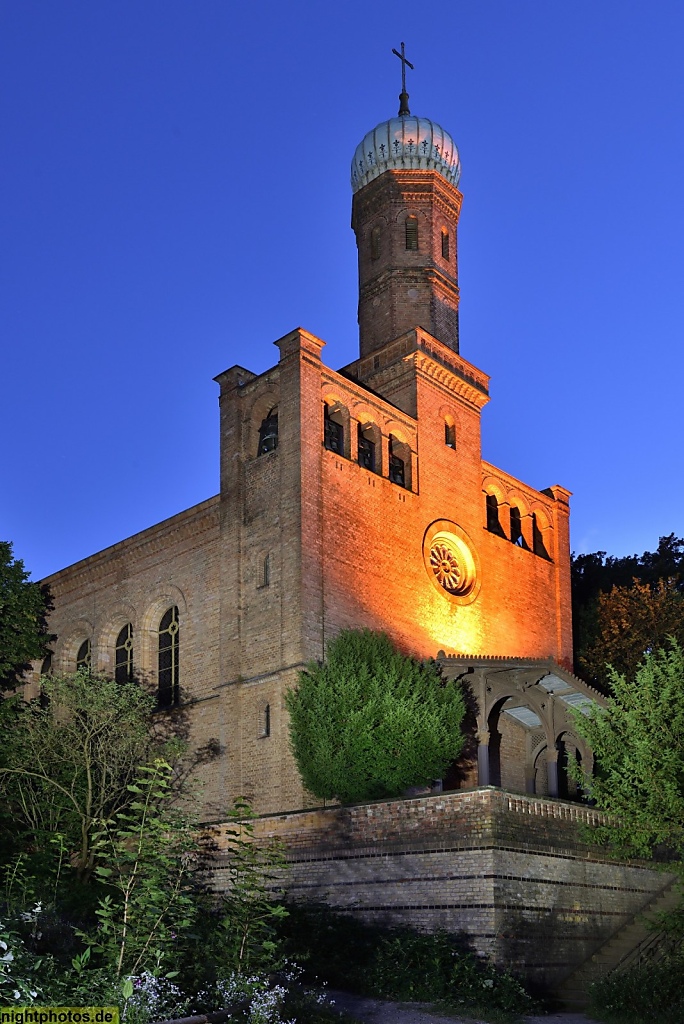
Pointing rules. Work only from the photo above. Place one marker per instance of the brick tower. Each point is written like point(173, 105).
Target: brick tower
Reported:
point(405, 213)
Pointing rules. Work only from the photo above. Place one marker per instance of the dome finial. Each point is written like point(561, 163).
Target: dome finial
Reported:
point(403, 95)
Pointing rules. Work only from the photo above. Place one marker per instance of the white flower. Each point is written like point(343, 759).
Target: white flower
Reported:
point(8, 957)
point(489, 983)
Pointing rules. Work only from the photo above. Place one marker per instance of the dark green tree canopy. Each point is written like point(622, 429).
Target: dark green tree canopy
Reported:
point(602, 608)
point(23, 618)
point(369, 722)
point(638, 742)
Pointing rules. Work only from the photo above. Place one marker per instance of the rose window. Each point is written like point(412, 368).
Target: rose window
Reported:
point(450, 562)
point(445, 566)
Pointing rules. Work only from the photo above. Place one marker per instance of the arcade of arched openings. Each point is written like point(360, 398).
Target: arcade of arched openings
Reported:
point(525, 738)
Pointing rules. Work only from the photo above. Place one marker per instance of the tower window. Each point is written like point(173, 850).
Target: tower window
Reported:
point(493, 523)
point(84, 656)
point(268, 432)
point(516, 528)
point(538, 545)
point(266, 571)
point(123, 660)
point(449, 434)
point(445, 244)
point(375, 243)
point(397, 465)
point(411, 233)
point(168, 679)
point(367, 449)
point(333, 433)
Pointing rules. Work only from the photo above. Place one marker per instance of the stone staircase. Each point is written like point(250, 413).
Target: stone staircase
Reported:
point(634, 942)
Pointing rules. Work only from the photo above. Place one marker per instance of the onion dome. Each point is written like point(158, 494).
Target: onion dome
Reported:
point(405, 142)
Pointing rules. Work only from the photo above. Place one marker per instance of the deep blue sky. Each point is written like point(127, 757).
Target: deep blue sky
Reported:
point(175, 196)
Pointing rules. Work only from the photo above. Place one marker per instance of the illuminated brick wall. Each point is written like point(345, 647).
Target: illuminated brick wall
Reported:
point(304, 541)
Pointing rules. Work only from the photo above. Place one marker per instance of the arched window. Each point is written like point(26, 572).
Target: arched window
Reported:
point(168, 688)
point(398, 459)
point(538, 545)
point(445, 244)
point(517, 536)
point(333, 431)
point(84, 656)
point(449, 434)
point(375, 243)
point(268, 432)
point(123, 655)
point(411, 232)
point(367, 447)
point(493, 523)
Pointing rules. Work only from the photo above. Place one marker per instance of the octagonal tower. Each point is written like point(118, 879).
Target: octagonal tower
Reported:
point(405, 212)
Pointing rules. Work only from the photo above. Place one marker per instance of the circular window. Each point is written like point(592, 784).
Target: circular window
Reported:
point(450, 561)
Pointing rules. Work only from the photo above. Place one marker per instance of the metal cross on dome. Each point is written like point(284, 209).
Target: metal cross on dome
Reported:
point(403, 96)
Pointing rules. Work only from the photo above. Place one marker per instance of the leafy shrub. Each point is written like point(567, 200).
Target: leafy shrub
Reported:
point(398, 963)
point(369, 722)
point(653, 991)
point(19, 969)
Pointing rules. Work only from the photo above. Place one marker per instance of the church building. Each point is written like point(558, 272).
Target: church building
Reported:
point(355, 497)
point(359, 497)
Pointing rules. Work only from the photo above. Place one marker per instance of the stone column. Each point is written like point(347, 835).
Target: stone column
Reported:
point(552, 770)
point(483, 758)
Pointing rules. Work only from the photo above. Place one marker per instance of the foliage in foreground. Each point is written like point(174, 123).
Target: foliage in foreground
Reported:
point(653, 991)
point(398, 963)
point(68, 761)
point(638, 742)
point(369, 722)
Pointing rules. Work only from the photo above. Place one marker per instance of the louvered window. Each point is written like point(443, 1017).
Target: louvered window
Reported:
point(411, 233)
point(333, 433)
point(366, 451)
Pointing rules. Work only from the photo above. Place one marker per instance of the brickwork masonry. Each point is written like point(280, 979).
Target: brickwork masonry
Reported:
point(513, 873)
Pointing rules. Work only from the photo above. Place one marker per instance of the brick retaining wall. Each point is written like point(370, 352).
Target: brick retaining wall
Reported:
point(512, 872)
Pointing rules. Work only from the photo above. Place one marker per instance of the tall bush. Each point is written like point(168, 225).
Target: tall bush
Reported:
point(369, 721)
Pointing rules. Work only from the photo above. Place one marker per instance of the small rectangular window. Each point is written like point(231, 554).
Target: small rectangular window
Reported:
point(445, 244)
point(411, 233)
point(450, 435)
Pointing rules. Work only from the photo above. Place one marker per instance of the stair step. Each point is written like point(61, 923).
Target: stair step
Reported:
point(629, 937)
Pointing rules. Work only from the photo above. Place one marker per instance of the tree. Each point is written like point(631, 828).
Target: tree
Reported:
point(596, 575)
point(23, 619)
point(634, 621)
point(68, 761)
point(638, 742)
point(369, 721)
